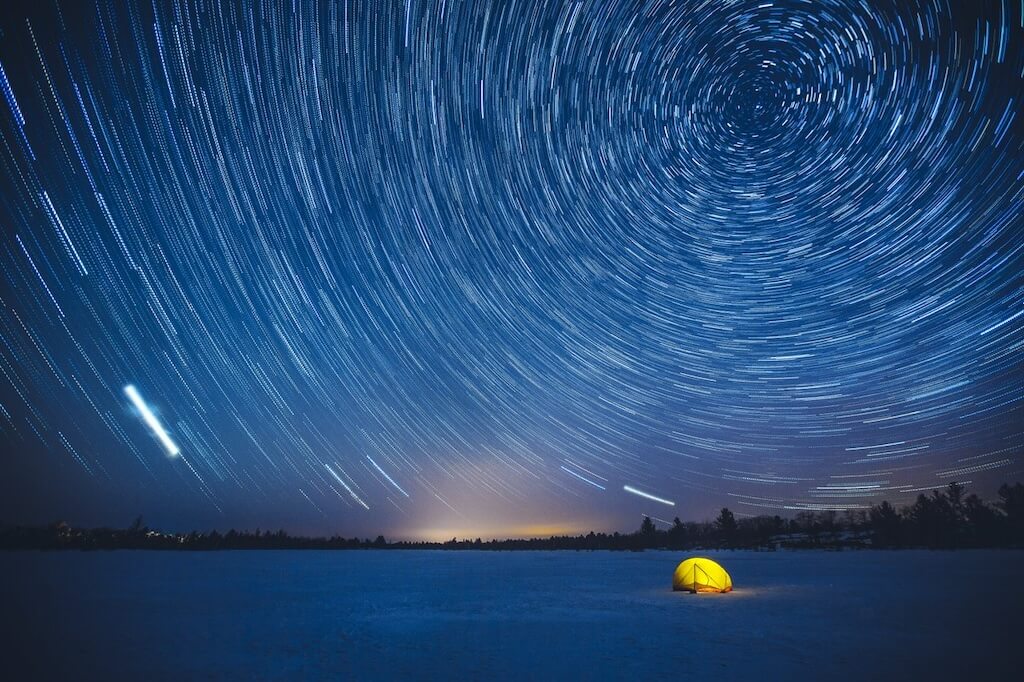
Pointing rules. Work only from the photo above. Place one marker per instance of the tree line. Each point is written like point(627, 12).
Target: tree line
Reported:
point(943, 519)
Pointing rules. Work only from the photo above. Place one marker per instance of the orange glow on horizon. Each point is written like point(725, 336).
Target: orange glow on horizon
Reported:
point(525, 532)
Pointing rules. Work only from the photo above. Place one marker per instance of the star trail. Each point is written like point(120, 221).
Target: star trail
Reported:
point(398, 266)
point(151, 420)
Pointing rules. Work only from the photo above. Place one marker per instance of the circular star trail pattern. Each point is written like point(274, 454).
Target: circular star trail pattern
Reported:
point(401, 265)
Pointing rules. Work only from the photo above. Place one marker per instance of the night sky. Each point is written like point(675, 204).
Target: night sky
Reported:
point(443, 268)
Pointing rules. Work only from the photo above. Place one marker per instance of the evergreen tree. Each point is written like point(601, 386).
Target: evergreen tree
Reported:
point(726, 524)
point(885, 525)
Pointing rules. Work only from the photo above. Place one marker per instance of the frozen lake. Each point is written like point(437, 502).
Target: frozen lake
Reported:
point(508, 615)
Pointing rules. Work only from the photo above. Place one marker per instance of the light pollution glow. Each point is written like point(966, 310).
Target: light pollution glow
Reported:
point(485, 533)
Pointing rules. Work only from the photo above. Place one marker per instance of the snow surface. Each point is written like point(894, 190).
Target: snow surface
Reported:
point(509, 615)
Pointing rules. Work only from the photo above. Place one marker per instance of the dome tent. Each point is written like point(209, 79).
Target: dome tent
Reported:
point(700, 574)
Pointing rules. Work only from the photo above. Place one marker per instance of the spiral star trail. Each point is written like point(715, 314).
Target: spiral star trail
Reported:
point(394, 267)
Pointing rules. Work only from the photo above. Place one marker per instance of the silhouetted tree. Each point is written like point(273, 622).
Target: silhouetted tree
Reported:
point(677, 534)
point(855, 519)
point(1011, 503)
point(885, 525)
point(933, 521)
point(647, 536)
point(726, 524)
point(827, 519)
point(981, 521)
point(955, 495)
point(758, 531)
point(807, 522)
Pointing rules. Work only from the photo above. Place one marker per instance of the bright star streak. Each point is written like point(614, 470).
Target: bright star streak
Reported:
point(583, 478)
point(382, 473)
point(631, 489)
point(346, 486)
point(151, 421)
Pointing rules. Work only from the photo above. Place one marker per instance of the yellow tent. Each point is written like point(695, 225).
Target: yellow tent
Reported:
point(701, 575)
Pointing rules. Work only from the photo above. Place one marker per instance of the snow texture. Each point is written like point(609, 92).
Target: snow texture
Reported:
point(508, 615)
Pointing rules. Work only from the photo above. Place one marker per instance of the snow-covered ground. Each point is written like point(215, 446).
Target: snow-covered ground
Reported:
point(509, 615)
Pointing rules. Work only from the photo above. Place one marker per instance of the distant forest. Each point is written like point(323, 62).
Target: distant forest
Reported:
point(946, 519)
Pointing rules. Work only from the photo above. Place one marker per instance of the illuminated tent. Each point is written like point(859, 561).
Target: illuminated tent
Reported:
point(701, 575)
